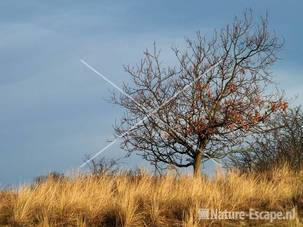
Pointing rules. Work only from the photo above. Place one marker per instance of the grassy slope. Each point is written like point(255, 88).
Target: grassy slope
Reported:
point(144, 200)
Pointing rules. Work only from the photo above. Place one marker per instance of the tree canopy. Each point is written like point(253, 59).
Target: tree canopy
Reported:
point(217, 96)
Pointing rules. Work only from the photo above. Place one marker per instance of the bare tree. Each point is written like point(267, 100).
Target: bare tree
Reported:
point(103, 166)
point(54, 176)
point(218, 106)
point(283, 144)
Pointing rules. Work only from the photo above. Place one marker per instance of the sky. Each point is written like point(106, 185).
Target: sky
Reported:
point(54, 111)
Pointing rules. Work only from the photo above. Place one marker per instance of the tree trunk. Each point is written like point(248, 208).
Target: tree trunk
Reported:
point(197, 164)
point(198, 159)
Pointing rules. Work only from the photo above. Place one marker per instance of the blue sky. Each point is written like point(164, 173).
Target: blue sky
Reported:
point(53, 110)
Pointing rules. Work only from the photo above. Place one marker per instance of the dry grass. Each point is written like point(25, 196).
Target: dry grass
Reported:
point(145, 200)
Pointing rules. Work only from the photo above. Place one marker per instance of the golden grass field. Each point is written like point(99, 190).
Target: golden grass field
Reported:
point(145, 200)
